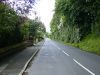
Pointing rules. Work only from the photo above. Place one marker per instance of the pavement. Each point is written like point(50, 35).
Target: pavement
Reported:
point(57, 59)
point(15, 64)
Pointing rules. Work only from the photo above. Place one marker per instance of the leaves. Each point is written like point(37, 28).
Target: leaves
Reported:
point(76, 17)
point(15, 28)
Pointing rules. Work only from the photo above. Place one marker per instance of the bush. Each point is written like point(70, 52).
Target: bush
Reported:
point(9, 26)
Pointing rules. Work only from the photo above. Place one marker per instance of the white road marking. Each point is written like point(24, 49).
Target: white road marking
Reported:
point(65, 53)
point(56, 46)
point(84, 67)
point(75, 61)
point(61, 50)
point(3, 67)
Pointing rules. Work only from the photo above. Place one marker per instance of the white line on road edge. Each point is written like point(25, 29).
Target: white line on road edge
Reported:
point(84, 67)
point(65, 53)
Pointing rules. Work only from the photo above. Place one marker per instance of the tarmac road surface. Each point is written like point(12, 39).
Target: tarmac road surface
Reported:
point(57, 59)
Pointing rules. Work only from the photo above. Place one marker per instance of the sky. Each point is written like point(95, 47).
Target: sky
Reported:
point(45, 10)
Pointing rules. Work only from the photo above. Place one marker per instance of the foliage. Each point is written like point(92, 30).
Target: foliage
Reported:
point(36, 29)
point(76, 19)
point(54, 26)
point(33, 29)
point(15, 29)
point(77, 23)
point(22, 7)
point(90, 44)
point(9, 26)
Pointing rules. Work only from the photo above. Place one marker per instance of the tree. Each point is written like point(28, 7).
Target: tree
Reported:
point(9, 26)
point(78, 17)
point(36, 29)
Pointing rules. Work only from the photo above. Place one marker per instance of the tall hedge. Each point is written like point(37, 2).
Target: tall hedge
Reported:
point(9, 26)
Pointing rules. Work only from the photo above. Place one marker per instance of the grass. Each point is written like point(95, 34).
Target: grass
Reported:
point(90, 44)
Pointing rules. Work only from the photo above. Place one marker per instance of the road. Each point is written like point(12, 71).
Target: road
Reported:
point(57, 59)
point(15, 63)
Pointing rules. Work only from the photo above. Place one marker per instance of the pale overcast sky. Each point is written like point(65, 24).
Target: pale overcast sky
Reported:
point(45, 11)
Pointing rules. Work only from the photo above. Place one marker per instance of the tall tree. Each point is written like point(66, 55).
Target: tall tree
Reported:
point(76, 17)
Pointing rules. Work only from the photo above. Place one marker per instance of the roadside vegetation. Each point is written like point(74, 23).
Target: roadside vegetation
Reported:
point(16, 28)
point(91, 44)
point(77, 23)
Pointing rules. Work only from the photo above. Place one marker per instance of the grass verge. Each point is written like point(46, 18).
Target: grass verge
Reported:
point(90, 44)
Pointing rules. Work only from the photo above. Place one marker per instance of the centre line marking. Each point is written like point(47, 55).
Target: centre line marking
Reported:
point(84, 67)
point(61, 50)
point(65, 53)
point(56, 46)
point(76, 61)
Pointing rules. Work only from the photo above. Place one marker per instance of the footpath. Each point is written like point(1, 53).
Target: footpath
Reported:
point(17, 63)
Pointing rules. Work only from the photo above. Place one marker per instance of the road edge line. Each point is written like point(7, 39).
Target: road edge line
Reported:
point(21, 72)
